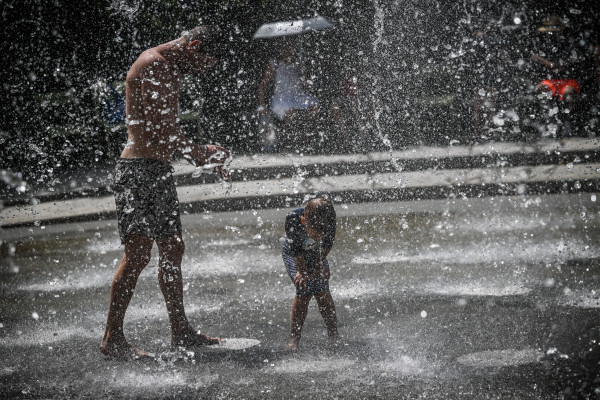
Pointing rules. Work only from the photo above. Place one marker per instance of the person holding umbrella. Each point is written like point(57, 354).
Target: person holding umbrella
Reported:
point(290, 94)
point(290, 86)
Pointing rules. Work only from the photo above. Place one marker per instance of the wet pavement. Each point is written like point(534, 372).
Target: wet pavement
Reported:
point(496, 297)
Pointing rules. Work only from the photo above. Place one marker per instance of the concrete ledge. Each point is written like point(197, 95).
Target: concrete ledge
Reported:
point(95, 182)
point(262, 161)
point(358, 188)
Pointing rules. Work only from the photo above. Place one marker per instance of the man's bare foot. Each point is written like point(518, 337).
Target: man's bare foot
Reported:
point(292, 345)
point(123, 350)
point(192, 339)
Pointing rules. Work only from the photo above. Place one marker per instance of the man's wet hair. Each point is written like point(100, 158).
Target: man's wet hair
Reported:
point(320, 215)
point(213, 39)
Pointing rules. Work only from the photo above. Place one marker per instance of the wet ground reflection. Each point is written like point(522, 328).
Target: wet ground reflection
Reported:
point(475, 299)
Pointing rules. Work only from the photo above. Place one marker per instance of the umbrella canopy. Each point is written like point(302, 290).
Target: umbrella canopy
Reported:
point(287, 28)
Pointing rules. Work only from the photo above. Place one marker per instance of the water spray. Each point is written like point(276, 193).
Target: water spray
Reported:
point(377, 109)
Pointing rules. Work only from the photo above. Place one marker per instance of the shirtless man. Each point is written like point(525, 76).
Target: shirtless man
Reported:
point(146, 199)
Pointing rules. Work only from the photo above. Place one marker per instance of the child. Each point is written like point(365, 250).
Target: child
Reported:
point(310, 232)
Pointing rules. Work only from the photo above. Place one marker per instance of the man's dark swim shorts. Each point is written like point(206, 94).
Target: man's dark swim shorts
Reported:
point(146, 199)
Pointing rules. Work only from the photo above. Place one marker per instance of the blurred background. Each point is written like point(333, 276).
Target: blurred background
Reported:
point(388, 74)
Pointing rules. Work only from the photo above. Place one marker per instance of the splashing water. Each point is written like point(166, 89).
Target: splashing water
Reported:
point(13, 180)
point(127, 10)
point(377, 107)
point(222, 169)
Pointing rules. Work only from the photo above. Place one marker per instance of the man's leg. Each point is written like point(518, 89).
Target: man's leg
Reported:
point(171, 284)
point(299, 312)
point(327, 309)
point(135, 259)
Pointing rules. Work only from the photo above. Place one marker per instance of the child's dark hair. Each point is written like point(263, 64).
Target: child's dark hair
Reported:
point(320, 214)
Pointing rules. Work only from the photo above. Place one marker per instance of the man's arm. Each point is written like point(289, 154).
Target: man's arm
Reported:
point(554, 67)
point(267, 76)
point(597, 62)
point(161, 98)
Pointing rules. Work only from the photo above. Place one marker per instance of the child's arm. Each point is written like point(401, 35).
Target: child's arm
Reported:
point(302, 274)
point(324, 252)
point(319, 270)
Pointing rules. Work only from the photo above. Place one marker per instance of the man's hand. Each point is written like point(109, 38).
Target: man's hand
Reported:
point(216, 154)
point(217, 157)
point(224, 172)
point(206, 157)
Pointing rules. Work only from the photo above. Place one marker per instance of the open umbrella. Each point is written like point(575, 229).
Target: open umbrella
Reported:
point(287, 28)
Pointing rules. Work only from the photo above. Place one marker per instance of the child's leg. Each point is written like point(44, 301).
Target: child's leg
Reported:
point(299, 311)
point(327, 309)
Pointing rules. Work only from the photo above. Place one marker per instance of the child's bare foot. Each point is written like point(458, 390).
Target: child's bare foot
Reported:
point(292, 344)
point(122, 350)
point(335, 341)
point(192, 339)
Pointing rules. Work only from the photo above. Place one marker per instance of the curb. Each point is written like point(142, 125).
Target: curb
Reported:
point(272, 181)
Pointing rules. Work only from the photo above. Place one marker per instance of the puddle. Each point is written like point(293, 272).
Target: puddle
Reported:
point(304, 366)
point(501, 358)
point(526, 251)
point(235, 344)
point(407, 366)
point(581, 299)
point(475, 289)
point(352, 290)
point(50, 335)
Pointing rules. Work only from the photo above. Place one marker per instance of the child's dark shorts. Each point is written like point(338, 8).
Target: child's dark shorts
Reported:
point(313, 286)
point(146, 199)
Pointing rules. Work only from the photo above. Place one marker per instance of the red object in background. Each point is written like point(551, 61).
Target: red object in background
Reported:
point(559, 87)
